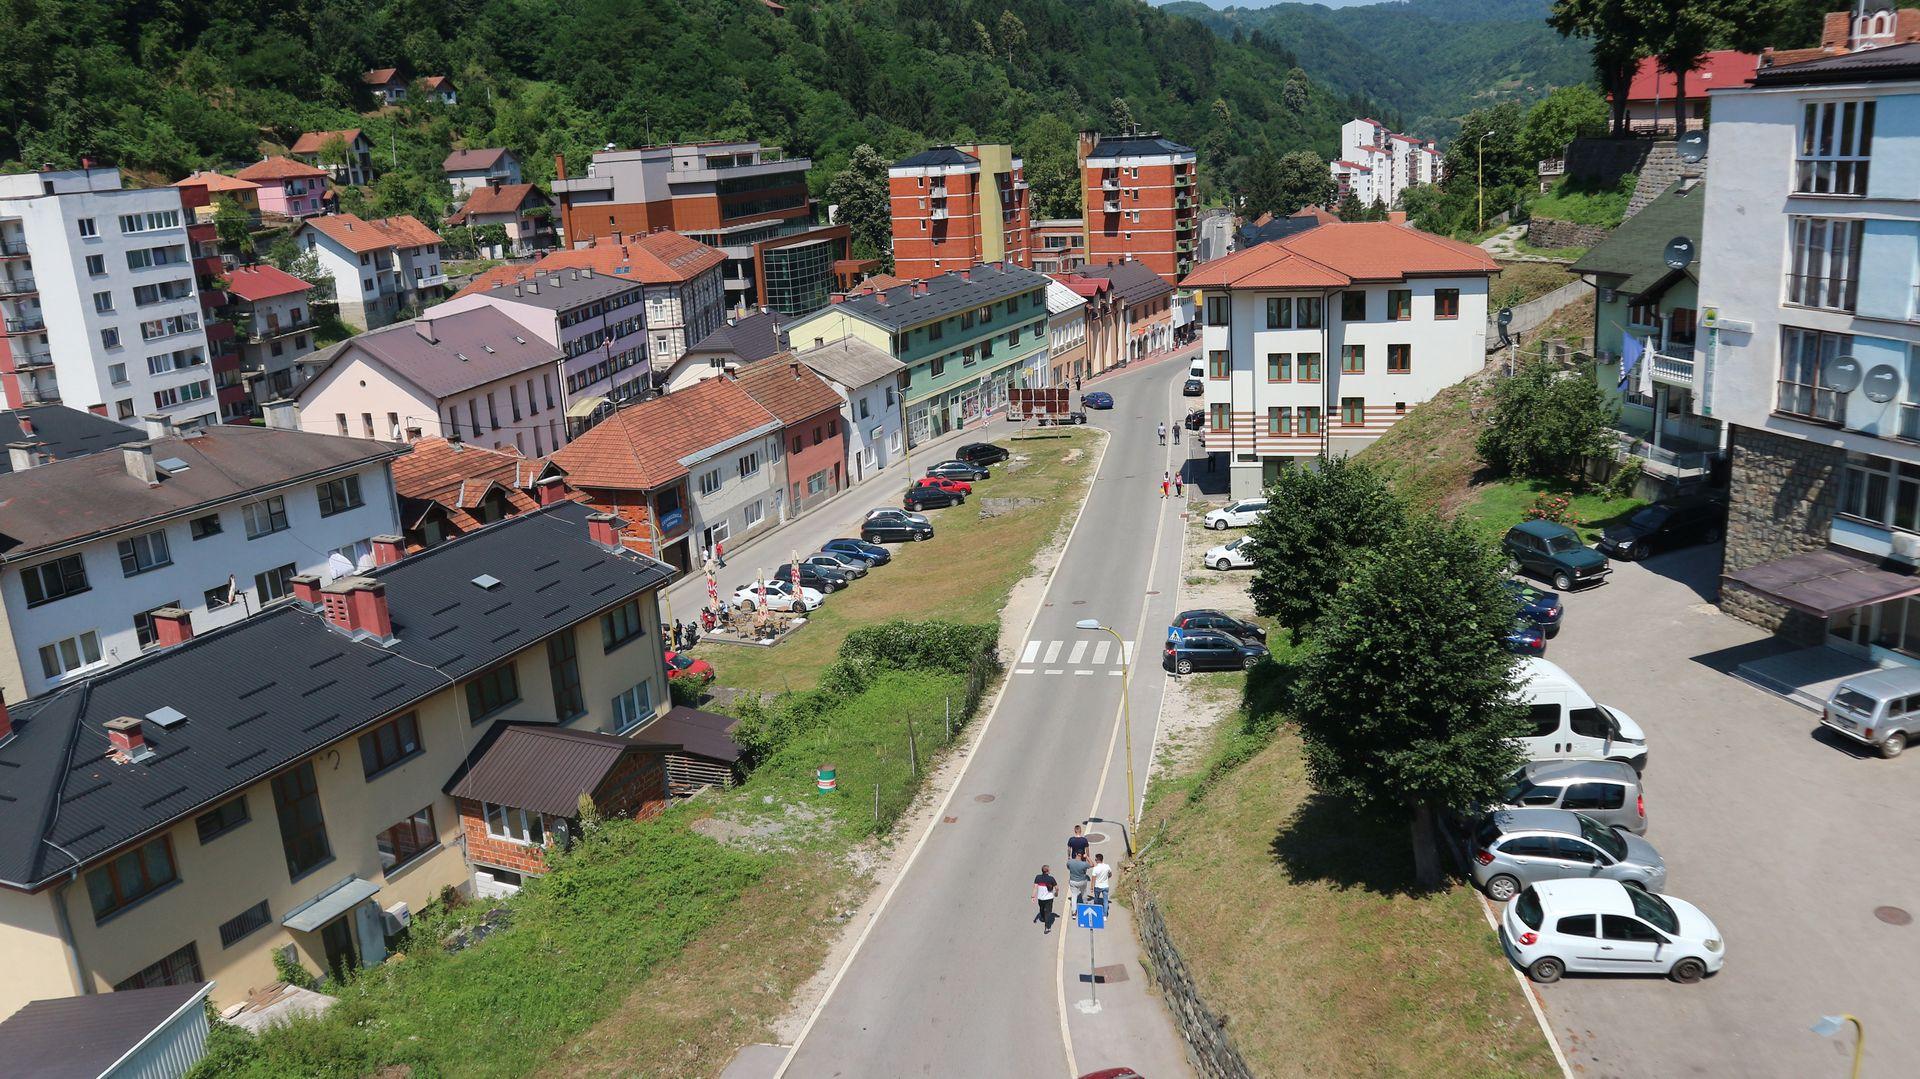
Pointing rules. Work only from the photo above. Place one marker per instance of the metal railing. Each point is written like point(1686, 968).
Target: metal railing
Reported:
point(1553, 166)
point(17, 285)
point(1683, 461)
point(1910, 421)
point(1823, 290)
point(26, 325)
point(28, 361)
point(13, 247)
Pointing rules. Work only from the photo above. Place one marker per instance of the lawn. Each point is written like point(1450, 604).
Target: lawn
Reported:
point(963, 574)
point(1585, 204)
point(1518, 282)
point(1499, 506)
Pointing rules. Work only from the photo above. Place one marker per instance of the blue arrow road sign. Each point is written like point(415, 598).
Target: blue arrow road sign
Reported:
point(1090, 916)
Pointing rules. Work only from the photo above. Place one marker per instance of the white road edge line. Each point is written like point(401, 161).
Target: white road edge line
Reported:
point(1526, 990)
point(959, 780)
point(1106, 766)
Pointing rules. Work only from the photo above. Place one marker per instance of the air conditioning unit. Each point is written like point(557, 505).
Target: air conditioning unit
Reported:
point(1608, 295)
point(1906, 547)
point(396, 918)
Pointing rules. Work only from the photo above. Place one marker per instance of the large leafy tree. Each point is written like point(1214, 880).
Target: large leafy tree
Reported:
point(1304, 181)
point(1046, 146)
point(1618, 39)
point(1678, 33)
point(1318, 520)
point(860, 191)
point(1405, 697)
point(1546, 421)
point(1568, 113)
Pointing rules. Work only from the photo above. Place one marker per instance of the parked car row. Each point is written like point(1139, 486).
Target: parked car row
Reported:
point(1210, 640)
point(1554, 552)
point(803, 586)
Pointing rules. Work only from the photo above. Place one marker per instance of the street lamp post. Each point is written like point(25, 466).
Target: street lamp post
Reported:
point(1126, 711)
point(1480, 180)
point(1829, 1025)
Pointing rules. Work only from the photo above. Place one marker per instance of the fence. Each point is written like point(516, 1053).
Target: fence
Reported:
point(1535, 312)
point(1209, 1049)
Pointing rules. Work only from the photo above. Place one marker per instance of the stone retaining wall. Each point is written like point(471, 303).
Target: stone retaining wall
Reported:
point(1549, 234)
point(1780, 502)
point(1209, 1049)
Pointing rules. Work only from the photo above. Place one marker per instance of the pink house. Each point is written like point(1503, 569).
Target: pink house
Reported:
point(287, 187)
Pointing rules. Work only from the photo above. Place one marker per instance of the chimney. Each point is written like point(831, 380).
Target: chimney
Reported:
point(306, 590)
point(586, 273)
point(838, 297)
point(6, 719)
point(1396, 217)
point(559, 166)
point(23, 455)
point(139, 461)
point(550, 490)
point(604, 529)
point(358, 607)
point(424, 327)
point(128, 737)
point(819, 341)
point(388, 549)
point(158, 426)
point(171, 626)
point(282, 415)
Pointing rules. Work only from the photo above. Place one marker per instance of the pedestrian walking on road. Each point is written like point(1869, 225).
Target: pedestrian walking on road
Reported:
point(1077, 843)
point(1179, 486)
point(719, 554)
point(1166, 483)
point(1044, 887)
point(1102, 876)
point(1077, 867)
point(1163, 433)
point(1176, 434)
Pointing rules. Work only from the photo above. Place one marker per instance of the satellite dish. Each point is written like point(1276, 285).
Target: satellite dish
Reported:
point(1692, 147)
point(1505, 317)
point(1842, 374)
point(1679, 253)
point(1882, 383)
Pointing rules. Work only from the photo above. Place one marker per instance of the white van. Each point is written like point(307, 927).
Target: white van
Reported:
point(1570, 725)
point(1198, 369)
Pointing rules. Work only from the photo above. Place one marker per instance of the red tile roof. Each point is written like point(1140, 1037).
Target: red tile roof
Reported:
point(1084, 285)
point(457, 477)
point(1353, 165)
point(881, 282)
point(280, 168)
point(1340, 253)
point(360, 236)
point(435, 82)
point(788, 388)
point(639, 447)
point(380, 76)
point(263, 282)
point(1721, 67)
point(472, 160)
point(216, 183)
point(657, 258)
point(312, 141)
point(505, 199)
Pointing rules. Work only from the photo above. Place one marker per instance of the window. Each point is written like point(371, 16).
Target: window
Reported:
point(936, 330)
point(620, 625)
point(265, 517)
point(1353, 411)
point(1306, 312)
point(1279, 312)
point(202, 527)
point(1279, 421)
point(563, 670)
point(1310, 420)
point(755, 511)
point(1446, 303)
point(218, 822)
point(143, 627)
point(143, 553)
point(1399, 304)
point(243, 923)
point(1279, 367)
point(110, 338)
point(407, 840)
point(1399, 359)
point(1621, 927)
point(64, 657)
point(491, 690)
point(1804, 357)
point(710, 481)
point(1217, 417)
point(87, 227)
point(96, 265)
point(1595, 796)
point(937, 367)
point(514, 825)
point(303, 829)
point(181, 967)
point(1826, 263)
point(340, 495)
point(1579, 925)
point(1308, 364)
point(1218, 363)
point(1836, 142)
point(1353, 307)
point(131, 877)
point(1353, 359)
point(1219, 310)
point(124, 408)
point(53, 580)
point(389, 744)
point(632, 708)
point(274, 584)
point(103, 303)
point(749, 464)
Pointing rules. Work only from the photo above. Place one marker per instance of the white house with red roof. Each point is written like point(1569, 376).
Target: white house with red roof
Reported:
point(380, 268)
point(1650, 96)
point(1377, 165)
point(1320, 341)
point(272, 315)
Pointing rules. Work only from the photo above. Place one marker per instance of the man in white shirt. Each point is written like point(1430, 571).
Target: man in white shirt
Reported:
point(1102, 876)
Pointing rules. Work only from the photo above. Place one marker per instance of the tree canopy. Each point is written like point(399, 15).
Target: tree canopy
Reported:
point(1546, 421)
point(1317, 520)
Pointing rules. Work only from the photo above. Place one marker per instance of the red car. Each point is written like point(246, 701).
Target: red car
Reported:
point(679, 665)
point(945, 484)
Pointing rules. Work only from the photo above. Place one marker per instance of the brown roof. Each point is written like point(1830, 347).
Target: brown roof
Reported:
point(658, 258)
point(380, 76)
point(361, 236)
point(882, 282)
point(702, 734)
point(313, 141)
point(545, 769)
point(456, 477)
point(443, 354)
point(263, 282)
point(280, 168)
point(472, 160)
point(1825, 582)
point(1339, 253)
point(788, 388)
point(639, 448)
point(435, 82)
point(216, 183)
point(505, 199)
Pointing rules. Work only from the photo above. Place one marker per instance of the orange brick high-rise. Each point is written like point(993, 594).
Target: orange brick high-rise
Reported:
point(1139, 195)
point(958, 206)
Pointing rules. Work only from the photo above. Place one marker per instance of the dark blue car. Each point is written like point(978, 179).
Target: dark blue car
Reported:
point(1525, 639)
point(874, 554)
point(1096, 399)
point(1538, 606)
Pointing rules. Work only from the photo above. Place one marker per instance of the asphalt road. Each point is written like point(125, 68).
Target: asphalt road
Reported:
point(1786, 838)
point(955, 977)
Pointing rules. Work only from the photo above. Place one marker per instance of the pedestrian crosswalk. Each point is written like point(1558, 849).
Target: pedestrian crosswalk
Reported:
point(1081, 658)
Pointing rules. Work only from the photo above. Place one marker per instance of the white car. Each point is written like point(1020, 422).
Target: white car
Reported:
point(779, 597)
point(1236, 554)
point(1236, 514)
point(1592, 926)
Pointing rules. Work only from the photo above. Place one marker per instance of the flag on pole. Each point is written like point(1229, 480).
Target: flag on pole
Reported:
point(1630, 352)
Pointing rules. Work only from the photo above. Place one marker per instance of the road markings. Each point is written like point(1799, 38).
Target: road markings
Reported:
point(1053, 651)
point(1033, 648)
point(1100, 650)
point(1056, 670)
point(1101, 654)
point(1527, 990)
point(1024, 670)
point(1079, 650)
point(1083, 672)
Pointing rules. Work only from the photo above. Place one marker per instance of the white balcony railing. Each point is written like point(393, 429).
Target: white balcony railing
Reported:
point(1674, 367)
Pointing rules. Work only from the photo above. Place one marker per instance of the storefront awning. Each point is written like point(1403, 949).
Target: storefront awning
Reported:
point(584, 407)
point(1824, 583)
point(329, 905)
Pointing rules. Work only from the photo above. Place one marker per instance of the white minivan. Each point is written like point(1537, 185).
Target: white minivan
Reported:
point(1570, 725)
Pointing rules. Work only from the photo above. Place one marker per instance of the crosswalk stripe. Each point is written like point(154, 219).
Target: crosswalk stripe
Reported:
point(1079, 649)
point(1023, 670)
point(1100, 651)
point(1033, 649)
point(1083, 672)
point(1053, 651)
point(1129, 658)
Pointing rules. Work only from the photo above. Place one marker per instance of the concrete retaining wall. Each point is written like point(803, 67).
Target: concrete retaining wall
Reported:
point(1547, 233)
point(1209, 1049)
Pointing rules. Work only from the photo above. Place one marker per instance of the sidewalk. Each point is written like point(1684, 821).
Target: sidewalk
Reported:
point(1191, 348)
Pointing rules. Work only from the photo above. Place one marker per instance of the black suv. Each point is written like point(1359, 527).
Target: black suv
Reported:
point(1208, 650)
point(895, 529)
point(1554, 551)
point(960, 470)
point(816, 577)
point(1669, 523)
point(984, 453)
point(921, 498)
point(1225, 623)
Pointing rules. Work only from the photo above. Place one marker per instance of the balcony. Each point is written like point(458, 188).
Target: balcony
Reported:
point(32, 361)
point(13, 248)
point(432, 280)
point(28, 324)
point(255, 335)
point(938, 213)
point(17, 285)
point(937, 191)
point(1109, 183)
point(1184, 224)
point(1182, 179)
point(1111, 206)
point(1673, 365)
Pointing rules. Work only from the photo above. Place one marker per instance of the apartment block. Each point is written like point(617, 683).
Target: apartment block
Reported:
point(271, 312)
point(197, 195)
point(1377, 166)
point(1059, 245)
point(597, 321)
point(99, 308)
point(954, 206)
point(381, 269)
point(1139, 200)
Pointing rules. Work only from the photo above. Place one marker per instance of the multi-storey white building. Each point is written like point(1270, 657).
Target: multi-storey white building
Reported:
point(381, 269)
point(98, 298)
point(1377, 166)
point(212, 522)
point(868, 381)
point(1319, 342)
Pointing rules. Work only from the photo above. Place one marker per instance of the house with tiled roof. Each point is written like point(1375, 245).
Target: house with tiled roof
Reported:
point(470, 170)
point(346, 155)
point(272, 315)
point(1377, 166)
point(1105, 327)
point(1319, 342)
point(868, 381)
point(743, 341)
point(1145, 302)
point(522, 212)
point(809, 413)
point(288, 188)
point(387, 85)
point(440, 88)
point(686, 470)
point(448, 488)
point(214, 186)
point(381, 269)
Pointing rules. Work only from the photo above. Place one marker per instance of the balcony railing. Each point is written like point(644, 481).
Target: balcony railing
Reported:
point(1111, 206)
point(938, 213)
point(1553, 166)
point(431, 280)
point(1910, 421)
point(1818, 290)
point(13, 248)
point(29, 361)
point(937, 191)
point(29, 324)
point(255, 335)
point(17, 285)
point(1182, 179)
point(1674, 365)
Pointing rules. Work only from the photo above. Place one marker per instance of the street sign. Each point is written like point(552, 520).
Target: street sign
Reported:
point(1090, 916)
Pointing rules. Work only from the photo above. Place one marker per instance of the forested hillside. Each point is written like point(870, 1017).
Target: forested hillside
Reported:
point(1426, 62)
point(164, 86)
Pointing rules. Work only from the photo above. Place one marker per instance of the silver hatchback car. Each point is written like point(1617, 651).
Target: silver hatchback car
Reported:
point(1513, 848)
point(1607, 791)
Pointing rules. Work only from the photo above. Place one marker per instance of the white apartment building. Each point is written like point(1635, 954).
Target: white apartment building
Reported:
point(97, 296)
point(1319, 342)
point(213, 522)
point(381, 269)
point(868, 381)
point(1377, 165)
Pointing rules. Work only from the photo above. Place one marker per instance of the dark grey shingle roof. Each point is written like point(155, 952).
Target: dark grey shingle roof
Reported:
point(273, 689)
point(1635, 252)
point(936, 157)
point(850, 362)
point(1890, 64)
point(456, 360)
point(1279, 228)
point(1138, 146)
point(541, 768)
point(561, 290)
point(948, 294)
point(752, 339)
point(63, 432)
point(83, 1037)
point(1133, 282)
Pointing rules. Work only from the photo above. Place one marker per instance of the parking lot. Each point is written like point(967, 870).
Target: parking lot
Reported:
point(1788, 840)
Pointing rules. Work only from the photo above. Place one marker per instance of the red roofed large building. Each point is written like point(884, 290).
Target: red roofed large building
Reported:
point(1318, 342)
point(1377, 166)
point(1650, 96)
point(954, 206)
point(273, 320)
point(809, 415)
point(448, 488)
point(381, 269)
point(288, 188)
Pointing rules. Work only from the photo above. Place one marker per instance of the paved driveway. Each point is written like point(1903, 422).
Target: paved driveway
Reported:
point(1786, 839)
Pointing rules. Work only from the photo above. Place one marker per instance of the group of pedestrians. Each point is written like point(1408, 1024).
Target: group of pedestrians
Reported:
point(1176, 433)
point(1083, 877)
point(684, 635)
point(1174, 482)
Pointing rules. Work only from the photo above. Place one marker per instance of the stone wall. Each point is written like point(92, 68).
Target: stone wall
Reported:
point(1549, 234)
point(1600, 161)
point(1209, 1049)
point(1781, 501)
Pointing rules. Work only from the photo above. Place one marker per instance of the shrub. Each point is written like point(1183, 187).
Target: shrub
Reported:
point(1621, 484)
point(1552, 507)
point(689, 689)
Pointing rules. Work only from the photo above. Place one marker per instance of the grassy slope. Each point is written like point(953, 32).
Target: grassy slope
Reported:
point(1604, 206)
point(1518, 282)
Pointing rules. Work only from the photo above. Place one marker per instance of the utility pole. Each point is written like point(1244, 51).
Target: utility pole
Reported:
point(1481, 180)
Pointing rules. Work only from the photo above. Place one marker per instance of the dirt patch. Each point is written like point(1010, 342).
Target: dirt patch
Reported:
point(994, 507)
point(791, 827)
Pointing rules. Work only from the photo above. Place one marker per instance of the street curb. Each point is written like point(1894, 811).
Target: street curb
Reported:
point(1527, 990)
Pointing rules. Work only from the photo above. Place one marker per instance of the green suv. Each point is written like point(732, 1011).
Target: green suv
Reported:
point(1554, 552)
